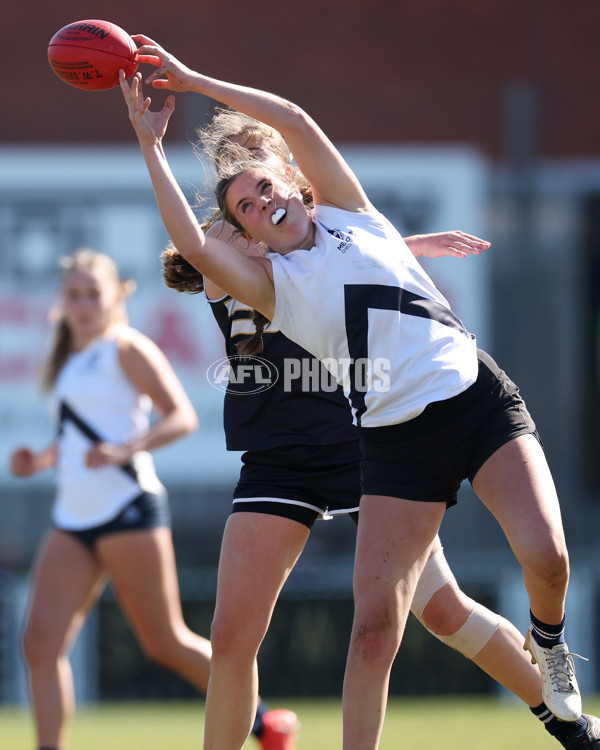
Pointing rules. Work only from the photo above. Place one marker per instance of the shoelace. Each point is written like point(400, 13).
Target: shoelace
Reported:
point(561, 669)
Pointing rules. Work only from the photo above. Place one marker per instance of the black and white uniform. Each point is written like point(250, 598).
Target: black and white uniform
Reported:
point(94, 401)
point(302, 456)
point(420, 392)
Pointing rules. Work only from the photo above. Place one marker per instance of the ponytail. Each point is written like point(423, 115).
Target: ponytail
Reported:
point(60, 349)
point(178, 273)
point(254, 344)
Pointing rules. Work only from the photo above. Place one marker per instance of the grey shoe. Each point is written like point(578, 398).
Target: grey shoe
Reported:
point(588, 740)
point(559, 686)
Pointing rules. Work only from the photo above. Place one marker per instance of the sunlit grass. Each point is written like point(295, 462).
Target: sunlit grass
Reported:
point(465, 723)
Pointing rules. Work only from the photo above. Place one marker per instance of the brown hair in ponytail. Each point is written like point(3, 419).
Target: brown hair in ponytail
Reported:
point(178, 273)
point(254, 344)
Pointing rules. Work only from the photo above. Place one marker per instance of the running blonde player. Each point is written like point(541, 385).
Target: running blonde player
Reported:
point(111, 518)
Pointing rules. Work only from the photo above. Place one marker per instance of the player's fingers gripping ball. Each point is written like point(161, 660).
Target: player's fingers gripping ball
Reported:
point(89, 54)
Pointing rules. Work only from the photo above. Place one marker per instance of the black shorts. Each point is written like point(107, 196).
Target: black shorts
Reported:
point(147, 511)
point(427, 458)
point(301, 482)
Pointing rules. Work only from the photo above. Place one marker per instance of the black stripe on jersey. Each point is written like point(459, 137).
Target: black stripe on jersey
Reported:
point(67, 414)
point(221, 313)
point(225, 321)
point(359, 298)
point(241, 315)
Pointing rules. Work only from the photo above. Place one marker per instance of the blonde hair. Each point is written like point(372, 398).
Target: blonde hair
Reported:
point(215, 139)
point(92, 262)
point(226, 158)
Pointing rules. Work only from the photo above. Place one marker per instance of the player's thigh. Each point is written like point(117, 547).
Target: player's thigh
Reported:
point(394, 540)
point(66, 583)
point(258, 552)
point(516, 485)
point(141, 566)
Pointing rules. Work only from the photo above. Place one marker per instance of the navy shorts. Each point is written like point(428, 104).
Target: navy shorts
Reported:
point(427, 458)
point(300, 482)
point(147, 511)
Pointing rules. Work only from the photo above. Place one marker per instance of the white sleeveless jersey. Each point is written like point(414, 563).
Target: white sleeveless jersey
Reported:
point(360, 302)
point(94, 400)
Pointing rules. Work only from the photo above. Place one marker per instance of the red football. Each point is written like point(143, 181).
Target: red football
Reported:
point(89, 54)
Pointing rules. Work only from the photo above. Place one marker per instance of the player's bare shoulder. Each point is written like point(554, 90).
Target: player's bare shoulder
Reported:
point(134, 345)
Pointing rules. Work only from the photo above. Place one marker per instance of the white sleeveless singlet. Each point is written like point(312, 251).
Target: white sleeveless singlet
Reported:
point(93, 399)
point(360, 302)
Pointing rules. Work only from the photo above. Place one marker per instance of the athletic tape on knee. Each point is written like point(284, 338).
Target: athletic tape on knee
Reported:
point(477, 631)
point(479, 626)
point(436, 574)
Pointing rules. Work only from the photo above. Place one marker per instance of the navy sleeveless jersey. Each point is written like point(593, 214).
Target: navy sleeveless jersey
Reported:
point(304, 406)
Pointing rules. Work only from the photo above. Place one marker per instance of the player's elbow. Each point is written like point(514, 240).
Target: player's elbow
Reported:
point(188, 420)
point(296, 119)
point(192, 423)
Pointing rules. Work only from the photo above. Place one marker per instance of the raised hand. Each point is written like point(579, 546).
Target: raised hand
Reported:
point(170, 73)
point(454, 243)
point(149, 126)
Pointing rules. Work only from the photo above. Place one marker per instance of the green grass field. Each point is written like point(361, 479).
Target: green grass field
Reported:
point(452, 723)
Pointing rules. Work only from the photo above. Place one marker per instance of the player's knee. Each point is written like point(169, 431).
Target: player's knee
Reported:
point(444, 615)
point(448, 614)
point(558, 573)
point(434, 578)
point(229, 640)
point(476, 632)
point(376, 636)
point(39, 645)
point(223, 635)
point(550, 566)
point(160, 650)
point(560, 567)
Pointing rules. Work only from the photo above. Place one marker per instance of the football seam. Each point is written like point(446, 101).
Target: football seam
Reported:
point(93, 49)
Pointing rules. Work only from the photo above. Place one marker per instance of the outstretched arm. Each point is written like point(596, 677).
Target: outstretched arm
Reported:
point(247, 279)
point(455, 243)
point(333, 182)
